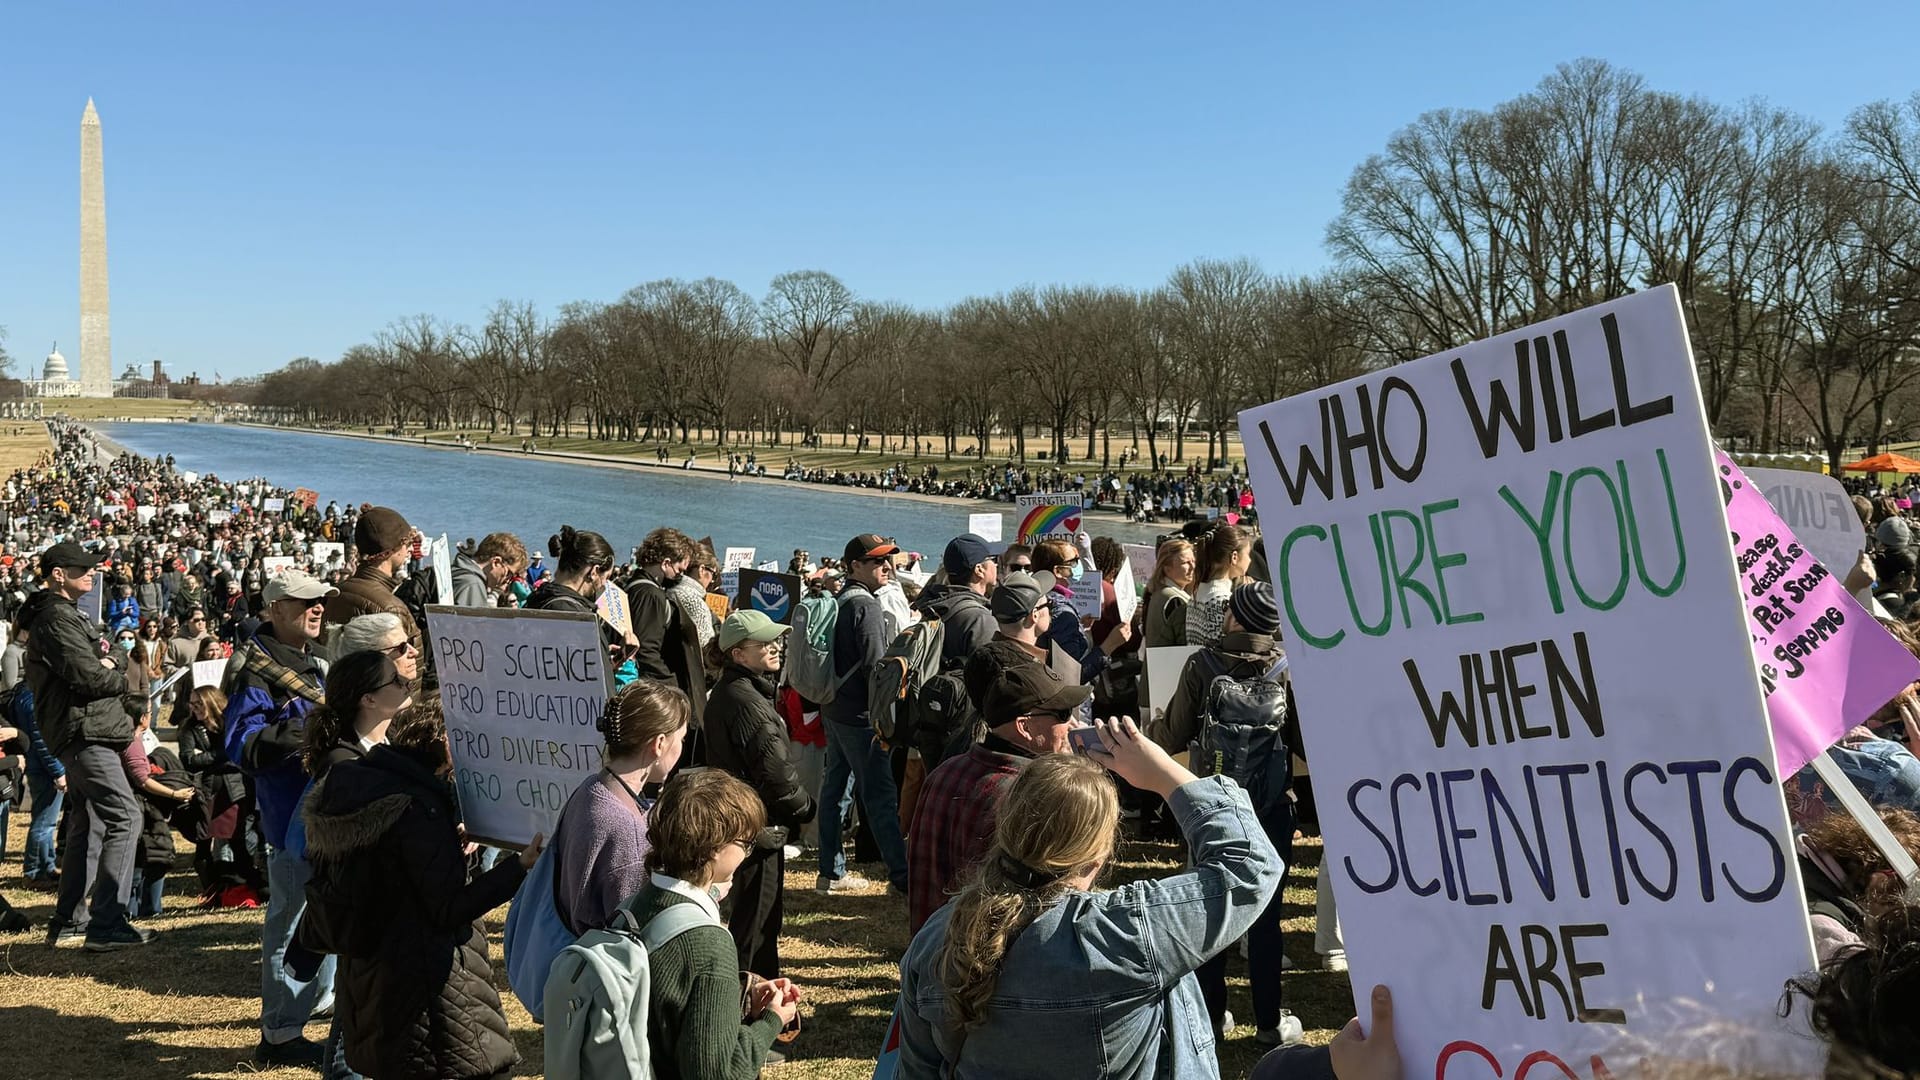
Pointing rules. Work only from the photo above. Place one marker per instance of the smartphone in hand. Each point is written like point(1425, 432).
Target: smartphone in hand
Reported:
point(1085, 739)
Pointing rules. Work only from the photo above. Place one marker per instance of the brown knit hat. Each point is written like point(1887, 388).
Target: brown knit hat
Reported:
point(380, 530)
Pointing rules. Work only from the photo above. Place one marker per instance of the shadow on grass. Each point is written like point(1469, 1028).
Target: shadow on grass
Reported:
point(101, 1046)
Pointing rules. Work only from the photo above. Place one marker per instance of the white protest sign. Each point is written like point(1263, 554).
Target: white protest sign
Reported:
point(208, 672)
point(439, 554)
point(771, 566)
point(1522, 661)
point(737, 558)
point(274, 505)
point(1143, 559)
point(1819, 511)
point(1126, 597)
point(218, 517)
point(178, 509)
point(328, 553)
point(275, 565)
point(522, 691)
point(190, 477)
point(1160, 677)
point(1047, 517)
point(986, 526)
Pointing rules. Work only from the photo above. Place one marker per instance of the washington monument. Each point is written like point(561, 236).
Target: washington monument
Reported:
point(96, 339)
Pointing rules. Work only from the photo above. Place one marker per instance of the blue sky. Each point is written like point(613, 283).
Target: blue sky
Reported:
point(283, 180)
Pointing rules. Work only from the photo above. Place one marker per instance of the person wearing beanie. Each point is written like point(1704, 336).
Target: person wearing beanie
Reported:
point(384, 542)
point(1247, 652)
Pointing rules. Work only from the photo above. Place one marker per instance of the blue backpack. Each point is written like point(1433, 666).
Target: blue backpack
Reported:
point(809, 666)
point(535, 935)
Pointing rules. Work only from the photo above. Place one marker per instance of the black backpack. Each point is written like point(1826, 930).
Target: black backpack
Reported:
point(1242, 732)
point(420, 589)
point(942, 711)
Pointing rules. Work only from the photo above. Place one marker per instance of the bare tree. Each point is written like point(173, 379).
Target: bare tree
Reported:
point(807, 315)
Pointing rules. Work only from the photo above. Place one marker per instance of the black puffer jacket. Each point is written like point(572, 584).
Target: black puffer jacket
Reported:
point(390, 897)
point(746, 737)
point(76, 699)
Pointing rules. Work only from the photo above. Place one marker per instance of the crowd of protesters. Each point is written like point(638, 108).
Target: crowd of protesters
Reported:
point(312, 765)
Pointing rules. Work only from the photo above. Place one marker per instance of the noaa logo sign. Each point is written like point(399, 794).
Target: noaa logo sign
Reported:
point(771, 598)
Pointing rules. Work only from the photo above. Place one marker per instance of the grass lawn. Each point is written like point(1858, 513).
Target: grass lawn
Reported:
point(187, 1006)
point(126, 408)
point(21, 444)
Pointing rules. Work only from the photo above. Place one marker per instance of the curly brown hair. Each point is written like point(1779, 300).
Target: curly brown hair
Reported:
point(663, 544)
point(698, 814)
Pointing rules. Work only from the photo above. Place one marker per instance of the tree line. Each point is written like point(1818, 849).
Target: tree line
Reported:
point(1795, 252)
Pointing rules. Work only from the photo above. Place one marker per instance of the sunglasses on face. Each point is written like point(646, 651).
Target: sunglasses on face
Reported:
point(1020, 567)
point(397, 651)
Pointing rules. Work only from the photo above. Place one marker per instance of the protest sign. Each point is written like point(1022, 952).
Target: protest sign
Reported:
point(1086, 594)
point(94, 602)
point(719, 605)
point(190, 477)
point(773, 595)
point(522, 691)
point(1160, 677)
point(1825, 664)
point(1521, 655)
point(730, 583)
point(275, 565)
point(771, 566)
point(1819, 512)
point(986, 526)
point(1047, 517)
point(178, 509)
point(737, 559)
point(208, 672)
point(439, 555)
point(219, 517)
point(329, 553)
point(1126, 597)
point(612, 607)
point(306, 498)
point(274, 505)
point(1142, 559)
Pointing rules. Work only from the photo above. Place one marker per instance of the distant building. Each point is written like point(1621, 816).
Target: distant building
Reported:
point(54, 380)
point(132, 384)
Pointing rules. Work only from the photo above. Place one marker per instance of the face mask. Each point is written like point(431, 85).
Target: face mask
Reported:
point(1078, 571)
point(718, 892)
point(126, 644)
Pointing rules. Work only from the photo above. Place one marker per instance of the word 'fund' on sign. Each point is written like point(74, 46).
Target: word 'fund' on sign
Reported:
point(1522, 654)
point(1544, 393)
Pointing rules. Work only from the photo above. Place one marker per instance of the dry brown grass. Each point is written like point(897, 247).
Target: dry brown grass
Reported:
point(21, 444)
point(187, 1005)
point(120, 408)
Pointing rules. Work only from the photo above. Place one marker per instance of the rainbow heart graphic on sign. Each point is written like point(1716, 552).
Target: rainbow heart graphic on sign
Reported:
point(1049, 521)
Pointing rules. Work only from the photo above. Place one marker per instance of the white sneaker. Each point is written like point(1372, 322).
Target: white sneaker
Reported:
point(1289, 1032)
point(1337, 960)
point(852, 882)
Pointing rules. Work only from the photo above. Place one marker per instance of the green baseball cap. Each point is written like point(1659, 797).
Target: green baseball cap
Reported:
point(749, 625)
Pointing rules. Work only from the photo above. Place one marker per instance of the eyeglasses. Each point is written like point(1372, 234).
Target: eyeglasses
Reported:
point(1020, 568)
point(399, 650)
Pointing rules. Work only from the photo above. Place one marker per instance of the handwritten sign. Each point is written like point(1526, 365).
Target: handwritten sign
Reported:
point(612, 607)
point(1528, 692)
point(986, 526)
point(327, 553)
point(1819, 512)
point(737, 558)
point(209, 672)
point(274, 505)
point(219, 517)
point(275, 565)
point(1047, 517)
point(1825, 664)
point(306, 498)
point(522, 691)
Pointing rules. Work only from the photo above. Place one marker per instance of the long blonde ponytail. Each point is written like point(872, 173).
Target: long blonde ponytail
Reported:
point(1060, 818)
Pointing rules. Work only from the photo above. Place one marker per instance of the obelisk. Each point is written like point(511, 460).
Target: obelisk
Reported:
point(96, 339)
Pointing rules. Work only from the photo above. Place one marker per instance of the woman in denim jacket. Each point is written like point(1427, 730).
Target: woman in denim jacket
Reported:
point(1029, 972)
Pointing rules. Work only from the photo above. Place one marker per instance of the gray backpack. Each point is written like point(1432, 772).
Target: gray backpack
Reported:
point(596, 997)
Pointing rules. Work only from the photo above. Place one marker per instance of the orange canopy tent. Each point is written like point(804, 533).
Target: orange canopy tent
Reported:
point(1899, 463)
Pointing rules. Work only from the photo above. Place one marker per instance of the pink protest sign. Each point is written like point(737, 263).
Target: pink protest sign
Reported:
point(1825, 664)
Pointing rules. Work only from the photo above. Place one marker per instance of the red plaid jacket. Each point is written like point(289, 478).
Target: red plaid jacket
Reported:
point(953, 827)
